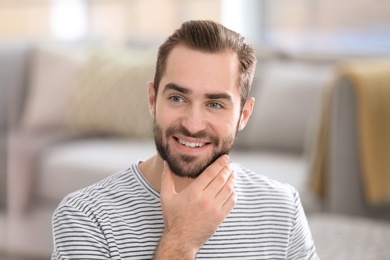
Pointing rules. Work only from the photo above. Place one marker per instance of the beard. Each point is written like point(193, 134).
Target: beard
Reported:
point(189, 166)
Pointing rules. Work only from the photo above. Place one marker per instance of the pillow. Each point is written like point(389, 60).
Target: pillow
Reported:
point(55, 71)
point(287, 105)
point(111, 98)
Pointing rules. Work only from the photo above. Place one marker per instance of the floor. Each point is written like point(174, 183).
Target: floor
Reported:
point(342, 237)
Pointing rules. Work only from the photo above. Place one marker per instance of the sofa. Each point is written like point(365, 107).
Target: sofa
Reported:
point(77, 113)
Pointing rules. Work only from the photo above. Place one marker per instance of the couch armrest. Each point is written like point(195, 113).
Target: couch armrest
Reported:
point(14, 66)
point(3, 170)
point(345, 191)
point(24, 152)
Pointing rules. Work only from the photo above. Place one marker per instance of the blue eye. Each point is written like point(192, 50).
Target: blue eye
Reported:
point(215, 105)
point(176, 99)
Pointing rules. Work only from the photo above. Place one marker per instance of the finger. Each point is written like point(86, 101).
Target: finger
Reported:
point(230, 203)
point(227, 189)
point(219, 182)
point(211, 171)
point(167, 182)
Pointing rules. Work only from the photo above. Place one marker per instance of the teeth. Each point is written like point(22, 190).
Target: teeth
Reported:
point(189, 144)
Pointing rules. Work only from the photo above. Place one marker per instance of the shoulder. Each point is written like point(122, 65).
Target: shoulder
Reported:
point(104, 190)
point(266, 200)
point(260, 186)
point(278, 205)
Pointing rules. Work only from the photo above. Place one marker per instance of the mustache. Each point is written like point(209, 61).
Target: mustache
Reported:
point(203, 134)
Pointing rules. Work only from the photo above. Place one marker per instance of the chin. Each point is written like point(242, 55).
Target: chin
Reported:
point(189, 167)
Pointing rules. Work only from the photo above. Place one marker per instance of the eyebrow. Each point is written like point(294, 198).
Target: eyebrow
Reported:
point(186, 91)
point(173, 86)
point(225, 96)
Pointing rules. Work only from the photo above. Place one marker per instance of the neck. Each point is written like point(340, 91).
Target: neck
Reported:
point(152, 169)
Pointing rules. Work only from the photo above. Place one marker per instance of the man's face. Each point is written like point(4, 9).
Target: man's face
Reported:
point(197, 110)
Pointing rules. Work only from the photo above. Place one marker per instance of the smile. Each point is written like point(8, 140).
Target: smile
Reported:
point(191, 144)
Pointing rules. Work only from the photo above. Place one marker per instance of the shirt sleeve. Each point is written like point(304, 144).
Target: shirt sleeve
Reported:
point(77, 236)
point(301, 244)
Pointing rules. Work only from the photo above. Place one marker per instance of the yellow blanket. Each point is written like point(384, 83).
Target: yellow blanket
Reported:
point(371, 80)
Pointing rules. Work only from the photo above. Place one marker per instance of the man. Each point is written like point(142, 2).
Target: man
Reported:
point(188, 201)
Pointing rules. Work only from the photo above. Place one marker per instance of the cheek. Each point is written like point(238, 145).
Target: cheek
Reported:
point(159, 112)
point(227, 127)
point(164, 118)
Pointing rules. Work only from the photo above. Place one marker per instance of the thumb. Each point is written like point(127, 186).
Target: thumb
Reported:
point(167, 182)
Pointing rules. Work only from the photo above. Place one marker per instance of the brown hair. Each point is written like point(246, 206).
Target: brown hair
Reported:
point(210, 37)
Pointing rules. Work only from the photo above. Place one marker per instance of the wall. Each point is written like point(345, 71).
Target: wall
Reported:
point(115, 20)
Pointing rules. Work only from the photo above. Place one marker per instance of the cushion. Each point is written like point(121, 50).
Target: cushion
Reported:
point(111, 98)
point(55, 71)
point(288, 99)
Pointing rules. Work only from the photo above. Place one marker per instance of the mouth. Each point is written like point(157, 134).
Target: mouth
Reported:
point(191, 144)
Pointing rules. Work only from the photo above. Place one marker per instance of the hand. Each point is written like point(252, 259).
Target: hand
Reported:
point(192, 216)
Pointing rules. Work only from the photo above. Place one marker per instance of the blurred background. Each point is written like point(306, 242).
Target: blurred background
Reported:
point(73, 107)
point(294, 25)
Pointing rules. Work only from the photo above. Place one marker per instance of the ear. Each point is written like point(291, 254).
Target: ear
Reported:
point(246, 113)
point(151, 98)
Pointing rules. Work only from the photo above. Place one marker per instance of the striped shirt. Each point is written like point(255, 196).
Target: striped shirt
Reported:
point(120, 217)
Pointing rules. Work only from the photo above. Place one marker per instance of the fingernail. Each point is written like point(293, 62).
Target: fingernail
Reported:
point(230, 166)
point(226, 158)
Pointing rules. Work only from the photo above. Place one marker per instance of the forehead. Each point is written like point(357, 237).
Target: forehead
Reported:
point(202, 71)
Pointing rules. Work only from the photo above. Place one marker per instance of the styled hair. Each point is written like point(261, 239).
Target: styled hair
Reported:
point(210, 37)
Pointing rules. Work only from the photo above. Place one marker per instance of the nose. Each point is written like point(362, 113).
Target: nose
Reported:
point(194, 120)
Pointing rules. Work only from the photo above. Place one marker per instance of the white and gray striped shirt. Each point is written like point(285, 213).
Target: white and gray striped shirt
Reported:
point(120, 218)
